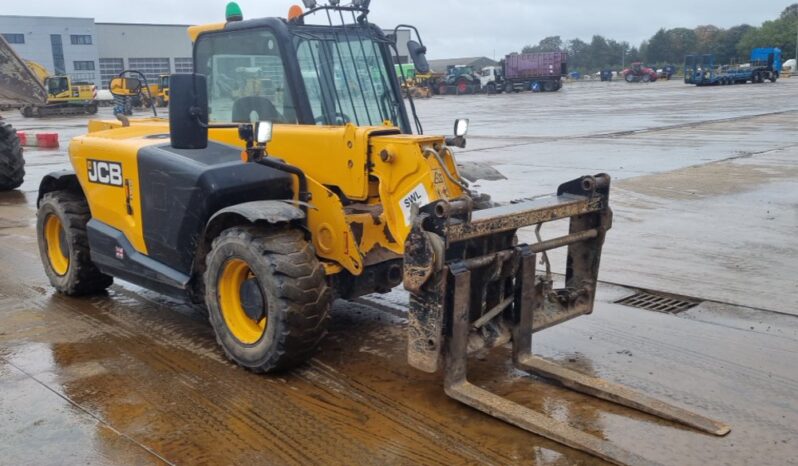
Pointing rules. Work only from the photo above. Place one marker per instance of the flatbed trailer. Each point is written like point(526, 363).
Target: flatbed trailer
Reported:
point(701, 70)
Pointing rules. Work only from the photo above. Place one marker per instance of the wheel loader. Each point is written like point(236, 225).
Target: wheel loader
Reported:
point(321, 185)
point(18, 87)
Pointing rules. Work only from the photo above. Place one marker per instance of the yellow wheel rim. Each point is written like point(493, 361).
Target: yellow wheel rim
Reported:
point(244, 329)
point(57, 250)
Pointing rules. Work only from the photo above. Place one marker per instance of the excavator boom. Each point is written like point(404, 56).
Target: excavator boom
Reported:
point(18, 85)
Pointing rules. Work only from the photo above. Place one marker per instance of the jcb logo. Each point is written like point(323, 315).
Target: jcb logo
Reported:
point(109, 173)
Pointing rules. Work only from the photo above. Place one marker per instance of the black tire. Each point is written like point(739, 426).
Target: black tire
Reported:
point(646, 78)
point(509, 87)
point(91, 109)
point(491, 88)
point(630, 78)
point(81, 276)
point(12, 163)
point(293, 293)
point(549, 86)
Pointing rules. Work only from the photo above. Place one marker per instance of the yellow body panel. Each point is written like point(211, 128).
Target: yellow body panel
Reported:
point(109, 204)
point(195, 31)
point(72, 93)
point(375, 168)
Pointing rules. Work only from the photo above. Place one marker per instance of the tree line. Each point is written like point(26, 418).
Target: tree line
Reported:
point(669, 46)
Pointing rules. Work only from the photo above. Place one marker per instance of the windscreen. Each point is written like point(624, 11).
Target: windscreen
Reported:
point(346, 77)
point(246, 77)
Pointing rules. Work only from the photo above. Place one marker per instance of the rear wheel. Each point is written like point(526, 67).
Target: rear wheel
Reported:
point(462, 86)
point(509, 87)
point(549, 86)
point(12, 164)
point(64, 245)
point(267, 297)
point(646, 78)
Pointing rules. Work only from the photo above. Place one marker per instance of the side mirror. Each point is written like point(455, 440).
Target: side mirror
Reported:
point(188, 111)
point(126, 87)
point(418, 53)
point(460, 131)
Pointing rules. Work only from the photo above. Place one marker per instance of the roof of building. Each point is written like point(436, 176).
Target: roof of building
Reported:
point(441, 66)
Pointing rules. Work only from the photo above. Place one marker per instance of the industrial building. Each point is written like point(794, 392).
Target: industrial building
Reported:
point(65, 46)
point(94, 52)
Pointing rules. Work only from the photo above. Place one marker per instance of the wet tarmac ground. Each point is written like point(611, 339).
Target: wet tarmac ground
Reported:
point(706, 206)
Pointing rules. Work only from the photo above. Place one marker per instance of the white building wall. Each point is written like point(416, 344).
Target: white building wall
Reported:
point(153, 49)
point(38, 47)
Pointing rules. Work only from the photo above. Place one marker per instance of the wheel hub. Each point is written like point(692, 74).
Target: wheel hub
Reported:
point(252, 300)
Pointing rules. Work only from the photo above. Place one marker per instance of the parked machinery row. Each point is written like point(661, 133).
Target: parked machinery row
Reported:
point(517, 72)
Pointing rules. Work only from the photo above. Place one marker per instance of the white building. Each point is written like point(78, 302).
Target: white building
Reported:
point(153, 49)
point(95, 52)
point(62, 45)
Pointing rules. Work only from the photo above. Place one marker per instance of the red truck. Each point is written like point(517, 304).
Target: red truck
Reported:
point(526, 71)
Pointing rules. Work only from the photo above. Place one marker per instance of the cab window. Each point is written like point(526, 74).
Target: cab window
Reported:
point(246, 77)
point(58, 85)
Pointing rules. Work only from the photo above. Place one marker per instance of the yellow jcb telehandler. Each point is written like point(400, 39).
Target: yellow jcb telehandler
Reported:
point(267, 207)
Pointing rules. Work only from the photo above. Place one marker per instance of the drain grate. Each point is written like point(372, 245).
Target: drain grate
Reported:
point(659, 302)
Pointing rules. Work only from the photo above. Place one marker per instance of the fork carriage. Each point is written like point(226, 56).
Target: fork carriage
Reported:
point(473, 288)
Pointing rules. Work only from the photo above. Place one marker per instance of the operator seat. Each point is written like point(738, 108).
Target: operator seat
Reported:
point(262, 106)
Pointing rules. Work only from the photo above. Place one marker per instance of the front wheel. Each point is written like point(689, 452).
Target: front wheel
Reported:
point(267, 297)
point(64, 245)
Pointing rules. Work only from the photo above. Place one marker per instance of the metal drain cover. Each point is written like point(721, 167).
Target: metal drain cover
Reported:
point(659, 302)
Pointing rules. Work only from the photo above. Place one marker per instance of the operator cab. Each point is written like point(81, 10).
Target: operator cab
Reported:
point(57, 85)
point(290, 71)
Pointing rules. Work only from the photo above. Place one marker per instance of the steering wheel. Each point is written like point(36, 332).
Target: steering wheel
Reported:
point(340, 119)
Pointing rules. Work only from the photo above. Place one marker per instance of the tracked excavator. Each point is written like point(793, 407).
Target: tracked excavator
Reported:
point(64, 97)
point(18, 87)
point(291, 173)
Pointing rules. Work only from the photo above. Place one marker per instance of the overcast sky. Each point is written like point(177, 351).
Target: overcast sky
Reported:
point(451, 28)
